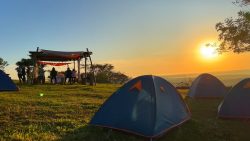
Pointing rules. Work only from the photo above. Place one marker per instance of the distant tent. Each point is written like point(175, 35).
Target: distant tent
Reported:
point(207, 86)
point(6, 84)
point(237, 102)
point(147, 105)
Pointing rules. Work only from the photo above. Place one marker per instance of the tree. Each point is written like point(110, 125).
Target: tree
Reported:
point(118, 78)
point(242, 2)
point(3, 64)
point(104, 74)
point(25, 62)
point(234, 34)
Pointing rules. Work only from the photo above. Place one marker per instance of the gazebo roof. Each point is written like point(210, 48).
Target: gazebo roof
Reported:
point(49, 55)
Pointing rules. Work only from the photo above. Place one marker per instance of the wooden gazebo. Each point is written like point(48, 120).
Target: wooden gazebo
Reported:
point(41, 55)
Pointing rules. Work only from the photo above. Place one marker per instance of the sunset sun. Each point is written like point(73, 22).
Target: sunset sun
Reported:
point(208, 52)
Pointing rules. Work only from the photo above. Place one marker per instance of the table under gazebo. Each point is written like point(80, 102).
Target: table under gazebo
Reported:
point(59, 58)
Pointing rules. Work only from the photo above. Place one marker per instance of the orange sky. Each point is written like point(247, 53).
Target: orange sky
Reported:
point(182, 64)
point(185, 61)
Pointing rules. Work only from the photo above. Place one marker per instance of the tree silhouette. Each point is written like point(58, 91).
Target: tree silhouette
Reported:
point(105, 73)
point(242, 2)
point(234, 34)
point(25, 62)
point(3, 64)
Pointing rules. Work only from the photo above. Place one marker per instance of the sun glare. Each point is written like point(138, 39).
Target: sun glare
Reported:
point(208, 52)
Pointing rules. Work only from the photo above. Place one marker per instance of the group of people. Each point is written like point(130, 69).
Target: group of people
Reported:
point(24, 74)
point(69, 76)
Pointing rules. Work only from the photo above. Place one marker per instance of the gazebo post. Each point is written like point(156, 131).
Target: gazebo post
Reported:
point(85, 69)
point(74, 64)
point(91, 69)
point(35, 71)
point(79, 70)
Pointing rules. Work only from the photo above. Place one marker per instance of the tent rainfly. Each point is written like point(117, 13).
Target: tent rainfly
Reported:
point(207, 86)
point(237, 102)
point(6, 84)
point(147, 106)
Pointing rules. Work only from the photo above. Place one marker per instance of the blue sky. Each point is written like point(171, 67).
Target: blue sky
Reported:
point(115, 30)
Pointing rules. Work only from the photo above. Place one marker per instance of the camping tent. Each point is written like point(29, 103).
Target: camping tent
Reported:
point(6, 83)
point(147, 106)
point(207, 86)
point(237, 102)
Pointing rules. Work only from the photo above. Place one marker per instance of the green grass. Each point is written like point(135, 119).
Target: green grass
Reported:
point(64, 111)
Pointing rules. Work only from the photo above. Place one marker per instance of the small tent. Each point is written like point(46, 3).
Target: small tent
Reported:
point(207, 86)
point(147, 106)
point(6, 84)
point(237, 102)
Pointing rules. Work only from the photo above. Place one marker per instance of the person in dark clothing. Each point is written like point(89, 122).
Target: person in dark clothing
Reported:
point(68, 74)
point(23, 74)
point(73, 79)
point(29, 78)
point(53, 75)
point(41, 75)
point(19, 73)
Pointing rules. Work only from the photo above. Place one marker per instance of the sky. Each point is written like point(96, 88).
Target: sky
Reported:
point(138, 37)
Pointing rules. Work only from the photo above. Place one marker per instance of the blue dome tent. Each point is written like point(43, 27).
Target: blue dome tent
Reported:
point(207, 86)
point(6, 84)
point(237, 102)
point(147, 106)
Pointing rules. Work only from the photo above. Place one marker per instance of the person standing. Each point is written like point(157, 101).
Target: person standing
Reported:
point(41, 76)
point(23, 74)
point(29, 78)
point(73, 76)
point(53, 75)
point(68, 75)
point(19, 73)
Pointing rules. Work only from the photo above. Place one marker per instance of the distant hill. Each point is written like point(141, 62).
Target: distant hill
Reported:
point(229, 78)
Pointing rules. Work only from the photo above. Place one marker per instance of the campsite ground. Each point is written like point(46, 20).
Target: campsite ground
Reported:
point(63, 111)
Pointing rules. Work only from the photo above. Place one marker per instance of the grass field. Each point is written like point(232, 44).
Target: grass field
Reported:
point(63, 113)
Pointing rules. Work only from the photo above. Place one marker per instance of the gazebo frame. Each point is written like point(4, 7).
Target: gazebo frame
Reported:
point(60, 56)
